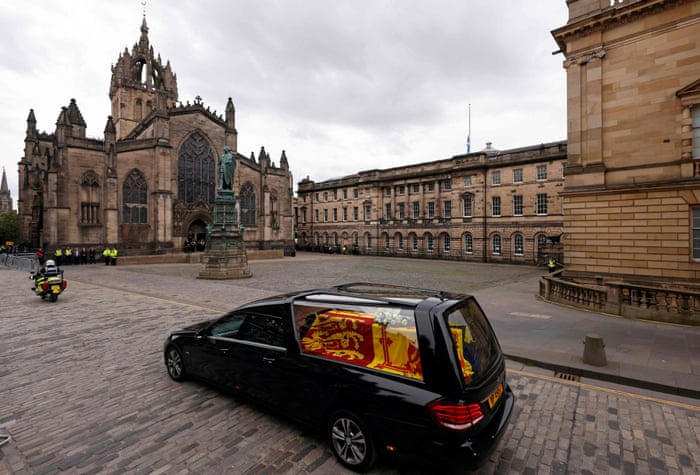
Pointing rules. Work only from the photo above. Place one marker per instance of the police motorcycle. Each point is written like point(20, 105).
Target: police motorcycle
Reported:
point(49, 281)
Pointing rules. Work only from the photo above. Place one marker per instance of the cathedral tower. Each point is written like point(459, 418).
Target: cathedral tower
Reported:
point(140, 84)
point(5, 197)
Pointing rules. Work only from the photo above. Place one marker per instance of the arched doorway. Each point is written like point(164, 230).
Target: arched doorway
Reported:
point(196, 236)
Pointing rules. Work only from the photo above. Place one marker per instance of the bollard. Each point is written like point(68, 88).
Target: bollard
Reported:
point(594, 350)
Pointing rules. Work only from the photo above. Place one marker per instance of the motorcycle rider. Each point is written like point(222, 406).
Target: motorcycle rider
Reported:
point(49, 269)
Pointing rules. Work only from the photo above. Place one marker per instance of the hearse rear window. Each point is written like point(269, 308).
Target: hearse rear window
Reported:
point(475, 343)
point(381, 338)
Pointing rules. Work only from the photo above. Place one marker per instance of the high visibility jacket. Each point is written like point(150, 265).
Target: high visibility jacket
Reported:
point(114, 253)
point(69, 252)
point(106, 253)
point(58, 252)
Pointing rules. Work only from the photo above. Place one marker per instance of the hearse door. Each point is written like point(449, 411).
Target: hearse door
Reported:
point(261, 358)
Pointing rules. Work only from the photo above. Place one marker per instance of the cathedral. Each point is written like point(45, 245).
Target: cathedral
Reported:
point(149, 186)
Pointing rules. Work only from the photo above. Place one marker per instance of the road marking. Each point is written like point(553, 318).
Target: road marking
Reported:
point(530, 315)
point(607, 390)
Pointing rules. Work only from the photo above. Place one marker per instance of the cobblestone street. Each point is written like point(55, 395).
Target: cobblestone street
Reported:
point(84, 389)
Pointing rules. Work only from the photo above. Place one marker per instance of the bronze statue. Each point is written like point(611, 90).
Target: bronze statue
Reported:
point(227, 166)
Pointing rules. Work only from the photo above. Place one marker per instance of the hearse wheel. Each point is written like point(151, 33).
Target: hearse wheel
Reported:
point(351, 441)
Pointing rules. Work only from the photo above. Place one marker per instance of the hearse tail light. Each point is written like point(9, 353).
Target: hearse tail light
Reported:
point(456, 416)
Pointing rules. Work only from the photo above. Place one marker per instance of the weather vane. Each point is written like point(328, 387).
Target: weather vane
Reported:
point(144, 8)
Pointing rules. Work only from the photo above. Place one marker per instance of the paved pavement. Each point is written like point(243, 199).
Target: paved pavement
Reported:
point(83, 388)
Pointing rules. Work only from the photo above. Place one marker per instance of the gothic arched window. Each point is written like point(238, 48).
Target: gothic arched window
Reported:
point(89, 199)
point(196, 170)
point(247, 205)
point(135, 207)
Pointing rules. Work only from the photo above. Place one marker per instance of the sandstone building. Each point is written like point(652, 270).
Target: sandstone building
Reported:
point(489, 206)
point(150, 183)
point(632, 185)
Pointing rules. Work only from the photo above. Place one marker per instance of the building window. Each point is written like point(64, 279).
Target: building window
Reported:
point(317, 196)
point(446, 243)
point(335, 214)
point(430, 187)
point(367, 192)
point(468, 181)
point(387, 191)
point(431, 210)
point(696, 132)
point(368, 211)
point(447, 209)
point(386, 242)
point(355, 193)
point(541, 204)
point(696, 233)
point(401, 211)
point(468, 244)
point(135, 199)
point(429, 238)
point(416, 188)
point(447, 185)
point(247, 206)
point(518, 245)
point(496, 206)
point(467, 206)
point(496, 178)
point(517, 205)
point(345, 193)
point(303, 215)
point(496, 244)
point(196, 170)
point(345, 213)
point(316, 215)
point(335, 195)
point(400, 190)
point(414, 242)
point(369, 241)
point(89, 199)
point(541, 172)
point(416, 210)
point(387, 211)
point(518, 175)
point(355, 213)
point(399, 241)
point(335, 239)
point(325, 215)
point(325, 196)
point(541, 241)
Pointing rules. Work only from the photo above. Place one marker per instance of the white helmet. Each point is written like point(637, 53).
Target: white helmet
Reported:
point(50, 263)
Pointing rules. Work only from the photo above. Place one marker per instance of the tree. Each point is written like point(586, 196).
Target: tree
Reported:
point(9, 227)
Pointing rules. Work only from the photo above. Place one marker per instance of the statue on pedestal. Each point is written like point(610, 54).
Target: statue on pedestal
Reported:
point(224, 256)
point(227, 166)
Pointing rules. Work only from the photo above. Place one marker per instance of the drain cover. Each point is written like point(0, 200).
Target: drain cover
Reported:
point(567, 376)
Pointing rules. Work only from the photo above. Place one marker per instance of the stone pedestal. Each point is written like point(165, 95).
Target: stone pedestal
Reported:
point(224, 256)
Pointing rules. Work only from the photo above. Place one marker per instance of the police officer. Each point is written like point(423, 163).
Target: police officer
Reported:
point(58, 256)
point(113, 255)
point(551, 264)
point(106, 255)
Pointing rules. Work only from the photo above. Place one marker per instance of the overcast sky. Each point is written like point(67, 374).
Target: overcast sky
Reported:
point(340, 85)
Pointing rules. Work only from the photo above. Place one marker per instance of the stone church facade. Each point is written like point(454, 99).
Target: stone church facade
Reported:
point(150, 184)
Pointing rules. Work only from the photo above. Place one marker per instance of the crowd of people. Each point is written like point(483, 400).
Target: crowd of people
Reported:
point(192, 245)
point(66, 256)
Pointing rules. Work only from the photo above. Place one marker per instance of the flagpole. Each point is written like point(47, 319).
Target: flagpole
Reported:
point(469, 132)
